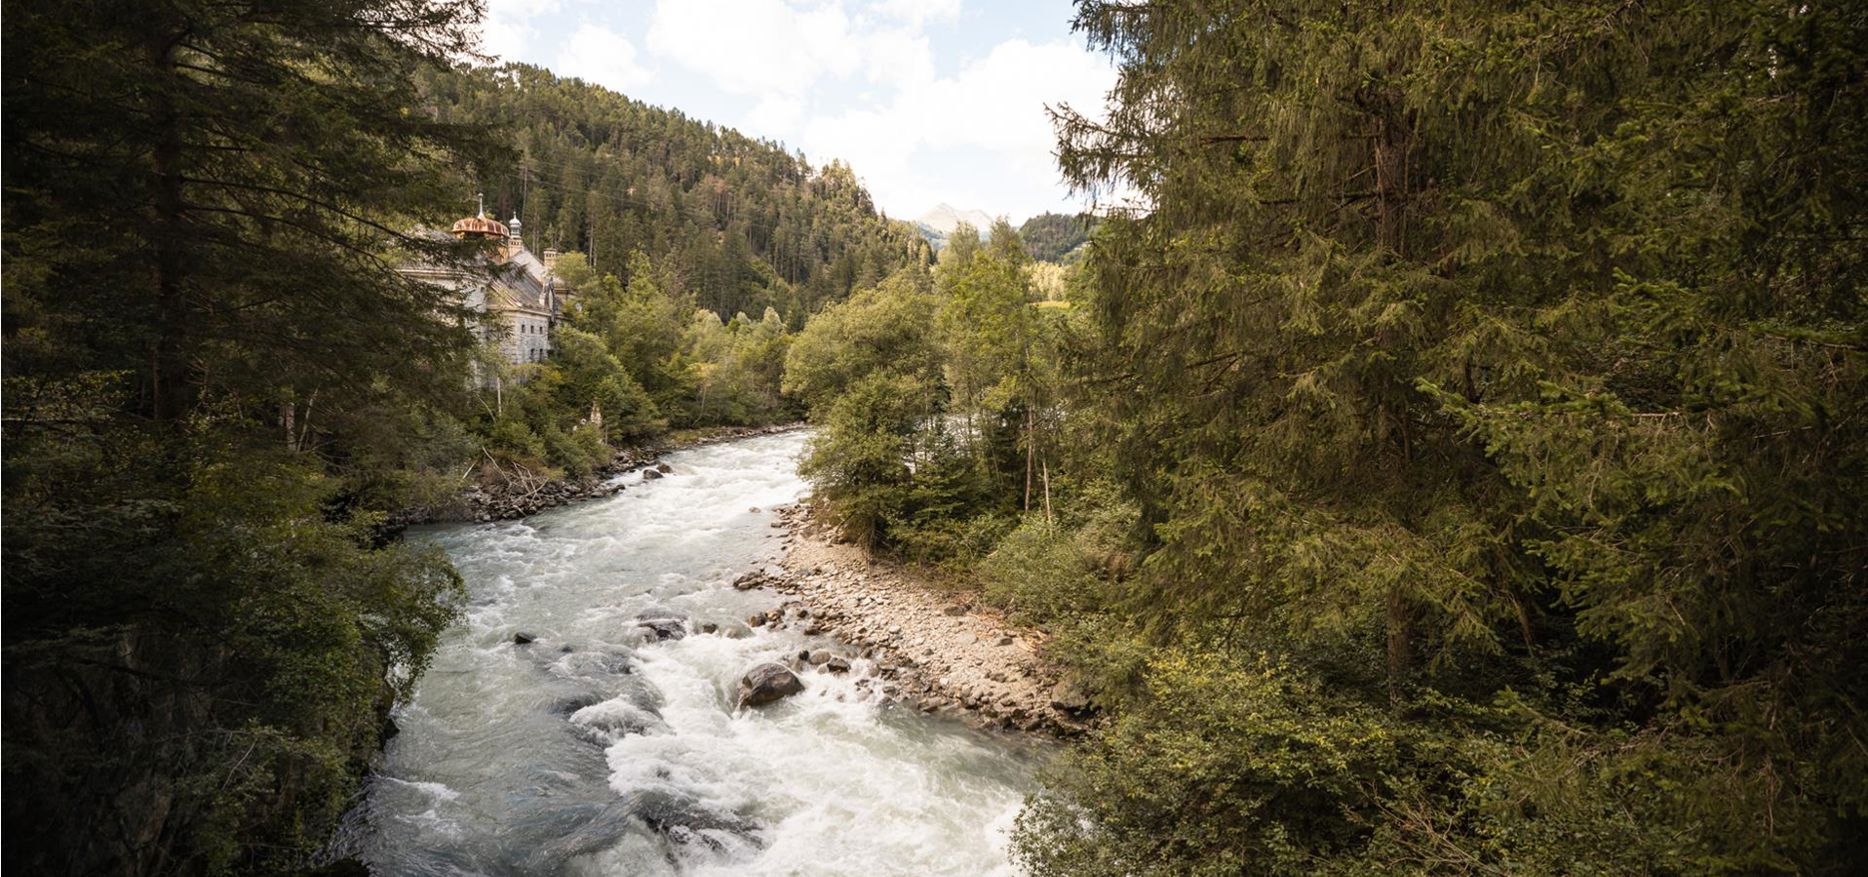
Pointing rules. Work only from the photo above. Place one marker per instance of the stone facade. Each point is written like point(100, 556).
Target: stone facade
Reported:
point(515, 300)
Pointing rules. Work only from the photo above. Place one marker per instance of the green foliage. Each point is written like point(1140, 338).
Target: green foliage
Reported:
point(1056, 237)
point(212, 369)
point(1225, 766)
point(859, 458)
point(1508, 355)
point(740, 224)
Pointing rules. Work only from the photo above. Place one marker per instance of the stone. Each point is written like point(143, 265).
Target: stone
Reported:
point(757, 619)
point(954, 610)
point(839, 665)
point(766, 683)
point(663, 468)
point(751, 580)
point(520, 639)
point(817, 657)
point(1005, 640)
point(708, 627)
point(651, 474)
point(664, 628)
point(1069, 695)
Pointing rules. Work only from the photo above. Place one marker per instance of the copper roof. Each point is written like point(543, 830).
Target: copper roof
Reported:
point(479, 225)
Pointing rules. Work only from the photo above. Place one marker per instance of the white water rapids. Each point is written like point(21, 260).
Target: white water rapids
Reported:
point(598, 750)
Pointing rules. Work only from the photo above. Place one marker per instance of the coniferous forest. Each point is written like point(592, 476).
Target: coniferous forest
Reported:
point(1458, 465)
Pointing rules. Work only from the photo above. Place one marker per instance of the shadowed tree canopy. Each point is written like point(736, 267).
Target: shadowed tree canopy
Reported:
point(205, 204)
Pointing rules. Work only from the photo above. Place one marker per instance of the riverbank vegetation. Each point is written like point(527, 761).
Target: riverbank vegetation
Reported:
point(219, 386)
point(1459, 468)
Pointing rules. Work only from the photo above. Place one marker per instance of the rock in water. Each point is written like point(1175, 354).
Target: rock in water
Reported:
point(754, 579)
point(837, 665)
point(664, 468)
point(766, 683)
point(651, 474)
point(664, 628)
point(520, 639)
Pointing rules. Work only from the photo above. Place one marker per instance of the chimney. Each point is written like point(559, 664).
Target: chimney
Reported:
point(551, 259)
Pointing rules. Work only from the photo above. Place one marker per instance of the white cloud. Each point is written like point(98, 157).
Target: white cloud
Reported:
point(755, 47)
point(509, 27)
point(995, 105)
point(918, 12)
point(849, 79)
point(598, 54)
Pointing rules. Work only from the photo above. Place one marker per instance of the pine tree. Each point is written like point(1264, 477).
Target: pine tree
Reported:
point(1488, 345)
point(206, 204)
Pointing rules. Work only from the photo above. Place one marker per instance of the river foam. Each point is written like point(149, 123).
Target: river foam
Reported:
point(599, 749)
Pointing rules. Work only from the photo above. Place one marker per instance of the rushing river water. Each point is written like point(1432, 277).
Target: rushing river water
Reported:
point(598, 751)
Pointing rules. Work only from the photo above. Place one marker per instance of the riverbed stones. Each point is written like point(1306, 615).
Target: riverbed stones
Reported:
point(838, 665)
point(767, 683)
point(663, 468)
point(523, 639)
point(927, 644)
point(757, 619)
point(651, 474)
point(757, 578)
point(818, 657)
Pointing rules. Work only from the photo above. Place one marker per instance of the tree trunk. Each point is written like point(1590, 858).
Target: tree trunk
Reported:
point(1400, 641)
point(1030, 449)
point(168, 380)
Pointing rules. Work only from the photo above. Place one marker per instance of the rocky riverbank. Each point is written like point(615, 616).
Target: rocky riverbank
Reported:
point(497, 498)
point(936, 650)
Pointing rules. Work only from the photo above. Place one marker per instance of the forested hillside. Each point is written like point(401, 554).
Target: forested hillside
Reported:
point(1056, 237)
point(739, 222)
point(1462, 468)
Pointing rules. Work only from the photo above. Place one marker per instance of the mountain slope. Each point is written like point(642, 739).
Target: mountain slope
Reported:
point(944, 218)
point(740, 222)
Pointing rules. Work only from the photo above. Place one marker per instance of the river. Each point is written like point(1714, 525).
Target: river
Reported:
point(599, 750)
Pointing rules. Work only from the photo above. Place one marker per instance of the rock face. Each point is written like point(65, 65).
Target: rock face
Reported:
point(766, 683)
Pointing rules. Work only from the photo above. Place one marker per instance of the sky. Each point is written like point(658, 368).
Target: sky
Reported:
point(929, 101)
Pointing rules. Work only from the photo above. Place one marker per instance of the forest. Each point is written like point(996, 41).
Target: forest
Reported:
point(222, 393)
point(1459, 467)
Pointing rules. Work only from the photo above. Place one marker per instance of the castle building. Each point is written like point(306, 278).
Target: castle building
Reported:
point(516, 300)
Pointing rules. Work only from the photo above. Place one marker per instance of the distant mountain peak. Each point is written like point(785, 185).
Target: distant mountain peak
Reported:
point(944, 218)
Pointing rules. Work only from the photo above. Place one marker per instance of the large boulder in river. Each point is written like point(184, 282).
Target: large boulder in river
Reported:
point(662, 623)
point(663, 628)
point(766, 683)
point(651, 474)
